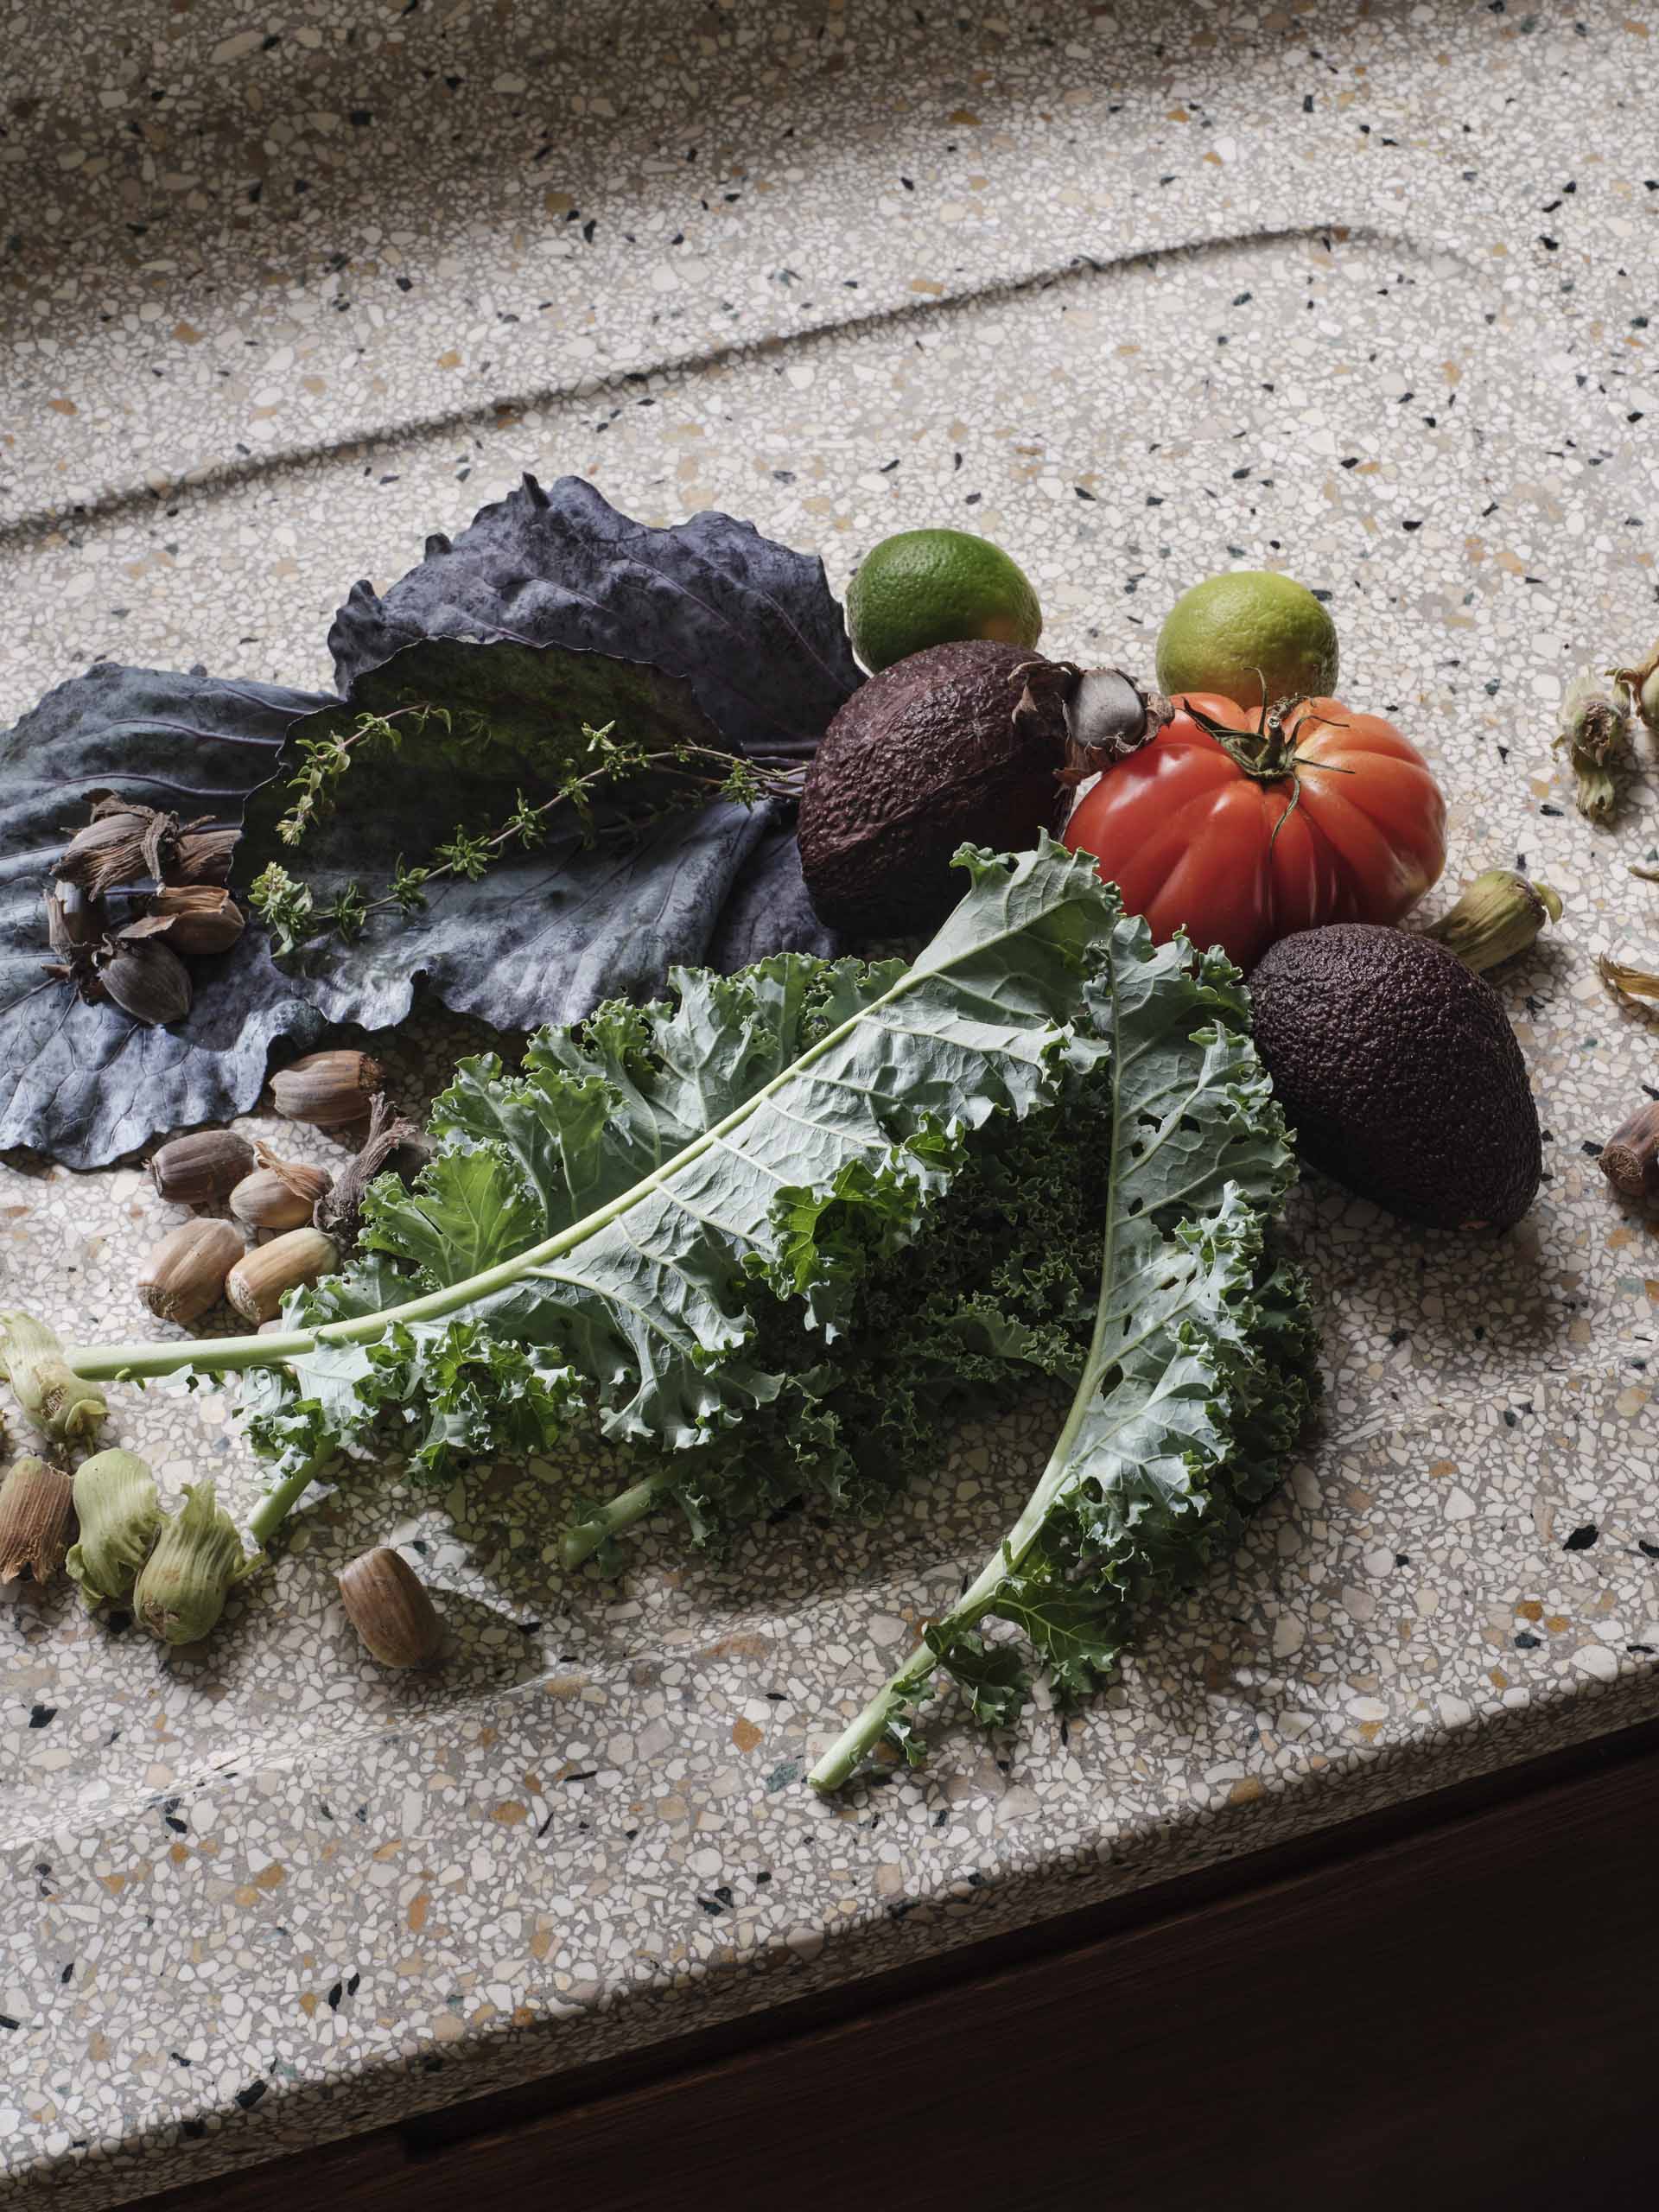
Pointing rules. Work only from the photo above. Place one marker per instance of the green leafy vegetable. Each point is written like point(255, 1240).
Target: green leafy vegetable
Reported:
point(595, 1232)
point(995, 1298)
point(1199, 1372)
point(775, 1237)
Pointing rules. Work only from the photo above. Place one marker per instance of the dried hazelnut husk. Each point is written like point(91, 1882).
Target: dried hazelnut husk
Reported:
point(279, 1193)
point(184, 1276)
point(387, 1603)
point(329, 1090)
point(202, 854)
point(196, 918)
point(75, 919)
point(143, 978)
point(124, 842)
point(1629, 985)
point(261, 1278)
point(197, 1169)
point(34, 1504)
point(340, 1212)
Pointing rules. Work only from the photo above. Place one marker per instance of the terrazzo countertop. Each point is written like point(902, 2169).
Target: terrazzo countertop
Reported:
point(1138, 293)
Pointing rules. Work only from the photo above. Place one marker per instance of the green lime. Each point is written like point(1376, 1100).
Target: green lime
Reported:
point(1233, 633)
point(929, 587)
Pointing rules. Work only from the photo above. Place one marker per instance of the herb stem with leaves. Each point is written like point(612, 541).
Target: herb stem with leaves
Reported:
point(601, 763)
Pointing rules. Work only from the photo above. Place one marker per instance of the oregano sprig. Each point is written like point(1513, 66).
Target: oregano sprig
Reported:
point(324, 760)
point(600, 762)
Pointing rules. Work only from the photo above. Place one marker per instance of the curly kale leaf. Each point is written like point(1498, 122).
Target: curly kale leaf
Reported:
point(599, 1229)
point(1198, 1371)
point(997, 1297)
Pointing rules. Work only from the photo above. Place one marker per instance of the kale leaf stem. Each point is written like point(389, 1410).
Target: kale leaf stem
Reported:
point(279, 1502)
point(584, 1537)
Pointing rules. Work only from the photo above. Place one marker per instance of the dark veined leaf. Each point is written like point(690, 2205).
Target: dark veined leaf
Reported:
point(751, 626)
point(547, 934)
point(84, 1084)
point(767, 909)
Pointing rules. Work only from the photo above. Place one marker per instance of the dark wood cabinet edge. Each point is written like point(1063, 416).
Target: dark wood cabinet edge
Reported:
point(1563, 1786)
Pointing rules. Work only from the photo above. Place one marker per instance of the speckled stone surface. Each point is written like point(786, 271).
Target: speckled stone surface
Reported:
point(1139, 293)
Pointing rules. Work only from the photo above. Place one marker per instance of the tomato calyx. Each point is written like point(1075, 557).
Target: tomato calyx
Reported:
point(1267, 753)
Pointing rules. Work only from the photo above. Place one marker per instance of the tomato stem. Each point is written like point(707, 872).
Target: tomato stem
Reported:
point(1268, 754)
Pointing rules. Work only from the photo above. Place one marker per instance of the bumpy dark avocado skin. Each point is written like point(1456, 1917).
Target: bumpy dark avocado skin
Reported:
point(960, 743)
point(1399, 1071)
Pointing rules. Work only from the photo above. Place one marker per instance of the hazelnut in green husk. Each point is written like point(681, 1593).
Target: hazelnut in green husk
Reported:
point(119, 1515)
point(1640, 684)
point(1596, 732)
point(50, 1392)
point(1498, 915)
point(197, 1560)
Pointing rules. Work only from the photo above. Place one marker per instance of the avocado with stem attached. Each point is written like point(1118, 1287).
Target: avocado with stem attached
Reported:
point(973, 742)
point(1398, 1070)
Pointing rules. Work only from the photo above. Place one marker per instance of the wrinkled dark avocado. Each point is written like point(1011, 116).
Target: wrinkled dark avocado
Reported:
point(964, 742)
point(1399, 1071)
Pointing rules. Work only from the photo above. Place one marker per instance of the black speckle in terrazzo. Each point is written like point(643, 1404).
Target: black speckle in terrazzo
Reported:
point(1582, 1538)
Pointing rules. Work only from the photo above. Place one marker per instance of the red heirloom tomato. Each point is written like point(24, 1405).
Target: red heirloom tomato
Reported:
point(1240, 826)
